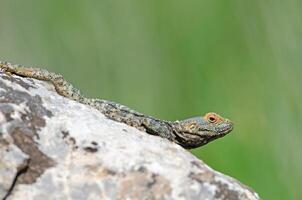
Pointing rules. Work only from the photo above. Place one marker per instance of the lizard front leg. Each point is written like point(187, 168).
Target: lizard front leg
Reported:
point(62, 87)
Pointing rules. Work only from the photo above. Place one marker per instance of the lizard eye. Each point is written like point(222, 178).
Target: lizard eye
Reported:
point(212, 118)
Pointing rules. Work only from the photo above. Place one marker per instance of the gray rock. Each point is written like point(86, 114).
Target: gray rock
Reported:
point(54, 148)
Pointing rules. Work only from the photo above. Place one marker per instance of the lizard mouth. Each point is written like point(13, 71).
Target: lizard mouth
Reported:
point(225, 129)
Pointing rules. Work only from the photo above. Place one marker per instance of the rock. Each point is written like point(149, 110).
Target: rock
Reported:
point(54, 148)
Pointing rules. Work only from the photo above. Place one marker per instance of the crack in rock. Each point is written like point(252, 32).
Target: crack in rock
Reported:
point(22, 169)
point(22, 128)
point(38, 161)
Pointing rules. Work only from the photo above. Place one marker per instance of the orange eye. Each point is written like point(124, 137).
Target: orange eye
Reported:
point(212, 117)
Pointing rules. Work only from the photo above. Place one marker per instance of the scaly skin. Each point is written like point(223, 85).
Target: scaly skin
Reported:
point(189, 133)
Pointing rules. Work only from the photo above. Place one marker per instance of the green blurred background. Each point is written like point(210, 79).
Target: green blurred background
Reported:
point(176, 59)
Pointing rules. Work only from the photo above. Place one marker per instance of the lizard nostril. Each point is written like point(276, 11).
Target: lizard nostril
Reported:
point(229, 121)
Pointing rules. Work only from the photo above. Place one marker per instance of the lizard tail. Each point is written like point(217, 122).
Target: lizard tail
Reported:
point(62, 87)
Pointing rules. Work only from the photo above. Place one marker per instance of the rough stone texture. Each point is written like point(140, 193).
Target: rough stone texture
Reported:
point(55, 148)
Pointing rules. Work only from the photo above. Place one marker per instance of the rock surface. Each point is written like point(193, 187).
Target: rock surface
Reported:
point(55, 148)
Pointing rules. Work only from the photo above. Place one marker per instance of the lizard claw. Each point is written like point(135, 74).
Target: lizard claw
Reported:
point(4, 68)
point(8, 73)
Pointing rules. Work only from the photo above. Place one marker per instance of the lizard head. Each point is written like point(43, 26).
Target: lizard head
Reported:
point(198, 131)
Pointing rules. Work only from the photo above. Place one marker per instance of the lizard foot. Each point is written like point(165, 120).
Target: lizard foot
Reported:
point(9, 69)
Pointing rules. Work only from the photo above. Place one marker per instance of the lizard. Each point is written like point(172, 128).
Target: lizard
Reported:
point(188, 133)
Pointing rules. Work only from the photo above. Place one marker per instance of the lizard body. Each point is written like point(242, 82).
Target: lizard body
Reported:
point(189, 133)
